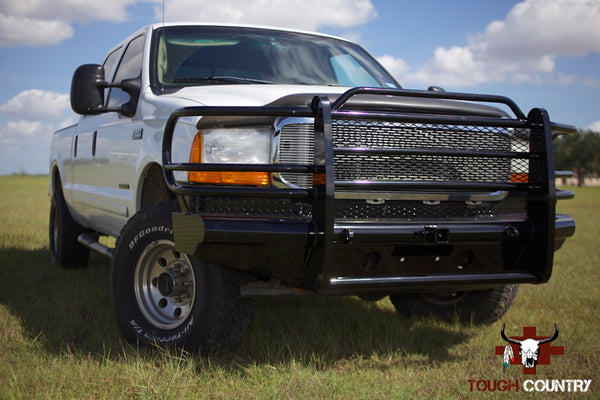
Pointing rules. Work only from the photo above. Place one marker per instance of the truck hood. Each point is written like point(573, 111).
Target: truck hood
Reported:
point(245, 95)
point(301, 95)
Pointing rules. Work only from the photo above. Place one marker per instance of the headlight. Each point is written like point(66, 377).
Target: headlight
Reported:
point(232, 146)
point(236, 146)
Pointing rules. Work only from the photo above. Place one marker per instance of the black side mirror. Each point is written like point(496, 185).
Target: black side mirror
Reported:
point(87, 90)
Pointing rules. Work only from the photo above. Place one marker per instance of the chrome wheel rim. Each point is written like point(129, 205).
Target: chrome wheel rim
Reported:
point(165, 286)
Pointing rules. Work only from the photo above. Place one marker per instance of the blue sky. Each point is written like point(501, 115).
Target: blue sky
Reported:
point(541, 53)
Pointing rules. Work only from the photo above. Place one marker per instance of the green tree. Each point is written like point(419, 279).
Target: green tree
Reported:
point(579, 153)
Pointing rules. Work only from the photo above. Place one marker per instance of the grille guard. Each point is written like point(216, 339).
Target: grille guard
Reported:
point(322, 233)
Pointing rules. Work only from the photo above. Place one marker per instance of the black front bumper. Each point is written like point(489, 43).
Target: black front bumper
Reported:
point(413, 257)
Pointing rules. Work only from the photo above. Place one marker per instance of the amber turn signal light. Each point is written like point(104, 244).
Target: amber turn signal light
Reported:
point(519, 178)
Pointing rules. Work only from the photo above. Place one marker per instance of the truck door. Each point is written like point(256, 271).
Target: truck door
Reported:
point(103, 167)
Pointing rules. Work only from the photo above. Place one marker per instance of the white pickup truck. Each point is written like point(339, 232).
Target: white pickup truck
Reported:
point(232, 162)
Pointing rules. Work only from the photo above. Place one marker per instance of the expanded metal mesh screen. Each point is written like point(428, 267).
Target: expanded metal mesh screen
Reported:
point(364, 157)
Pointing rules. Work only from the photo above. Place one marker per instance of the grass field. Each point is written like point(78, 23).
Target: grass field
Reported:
point(58, 338)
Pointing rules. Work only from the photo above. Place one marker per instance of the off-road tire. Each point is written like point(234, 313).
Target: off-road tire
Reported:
point(63, 232)
point(166, 298)
point(477, 306)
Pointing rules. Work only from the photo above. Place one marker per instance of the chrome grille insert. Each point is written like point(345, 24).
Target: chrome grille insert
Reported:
point(297, 146)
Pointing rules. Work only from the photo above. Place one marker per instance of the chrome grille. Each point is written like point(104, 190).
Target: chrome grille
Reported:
point(297, 146)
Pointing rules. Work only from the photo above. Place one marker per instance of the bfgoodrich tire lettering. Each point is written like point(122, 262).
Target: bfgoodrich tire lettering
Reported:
point(477, 306)
point(164, 297)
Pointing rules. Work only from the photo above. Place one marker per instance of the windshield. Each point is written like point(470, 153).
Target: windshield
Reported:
point(192, 56)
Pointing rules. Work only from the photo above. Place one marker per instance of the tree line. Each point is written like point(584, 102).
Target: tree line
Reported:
point(579, 153)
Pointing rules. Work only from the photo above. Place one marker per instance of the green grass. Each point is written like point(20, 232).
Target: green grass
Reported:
point(58, 338)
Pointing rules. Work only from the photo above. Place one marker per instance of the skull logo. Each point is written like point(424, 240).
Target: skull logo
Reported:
point(529, 349)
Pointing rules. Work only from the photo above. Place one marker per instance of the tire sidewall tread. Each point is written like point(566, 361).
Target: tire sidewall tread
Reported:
point(218, 317)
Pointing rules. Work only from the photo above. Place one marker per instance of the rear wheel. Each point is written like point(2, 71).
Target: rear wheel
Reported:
point(65, 250)
point(477, 306)
point(164, 297)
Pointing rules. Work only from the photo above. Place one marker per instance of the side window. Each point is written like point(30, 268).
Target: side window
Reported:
point(130, 67)
point(109, 66)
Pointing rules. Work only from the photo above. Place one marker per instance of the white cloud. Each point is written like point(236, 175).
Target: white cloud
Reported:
point(68, 10)
point(15, 133)
point(521, 48)
point(17, 31)
point(48, 22)
point(396, 66)
point(25, 146)
point(595, 126)
point(27, 122)
point(299, 14)
point(28, 153)
point(539, 28)
point(38, 104)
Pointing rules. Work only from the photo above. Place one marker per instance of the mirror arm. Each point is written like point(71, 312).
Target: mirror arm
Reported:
point(131, 87)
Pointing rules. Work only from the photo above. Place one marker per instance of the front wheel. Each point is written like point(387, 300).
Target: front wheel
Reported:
point(164, 297)
point(476, 306)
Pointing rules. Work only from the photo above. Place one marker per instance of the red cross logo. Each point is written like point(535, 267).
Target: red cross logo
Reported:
point(546, 350)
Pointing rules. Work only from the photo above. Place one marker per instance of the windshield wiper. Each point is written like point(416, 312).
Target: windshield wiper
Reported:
point(221, 79)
